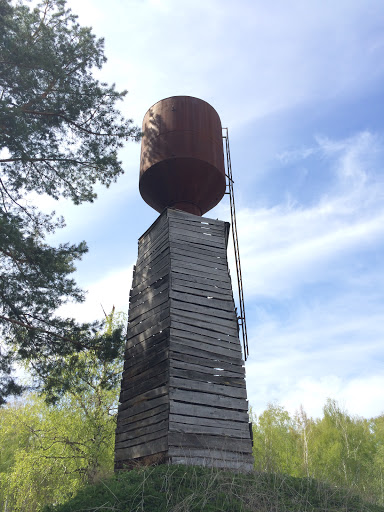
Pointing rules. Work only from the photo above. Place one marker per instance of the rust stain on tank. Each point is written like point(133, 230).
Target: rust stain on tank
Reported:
point(182, 159)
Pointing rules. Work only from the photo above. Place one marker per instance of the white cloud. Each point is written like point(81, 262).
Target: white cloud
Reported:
point(288, 245)
point(359, 396)
point(248, 59)
point(323, 335)
point(111, 290)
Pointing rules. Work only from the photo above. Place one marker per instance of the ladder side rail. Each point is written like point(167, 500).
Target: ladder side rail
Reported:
point(236, 247)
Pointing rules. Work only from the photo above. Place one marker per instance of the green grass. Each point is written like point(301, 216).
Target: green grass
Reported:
point(195, 489)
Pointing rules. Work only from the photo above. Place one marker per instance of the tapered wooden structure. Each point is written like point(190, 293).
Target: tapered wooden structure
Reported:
point(183, 397)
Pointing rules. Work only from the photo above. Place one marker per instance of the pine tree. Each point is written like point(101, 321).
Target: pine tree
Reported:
point(60, 131)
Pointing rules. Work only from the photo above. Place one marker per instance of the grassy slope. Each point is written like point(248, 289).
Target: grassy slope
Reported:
point(195, 489)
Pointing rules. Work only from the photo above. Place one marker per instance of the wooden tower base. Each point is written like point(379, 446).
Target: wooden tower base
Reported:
point(183, 397)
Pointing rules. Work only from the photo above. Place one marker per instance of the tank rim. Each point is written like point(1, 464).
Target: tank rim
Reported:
point(182, 96)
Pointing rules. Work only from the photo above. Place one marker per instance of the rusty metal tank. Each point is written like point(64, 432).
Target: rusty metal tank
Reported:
point(182, 160)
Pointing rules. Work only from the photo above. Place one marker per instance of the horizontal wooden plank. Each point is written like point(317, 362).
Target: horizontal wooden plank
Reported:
point(136, 349)
point(201, 251)
point(210, 430)
point(184, 331)
point(143, 264)
point(149, 448)
point(144, 397)
point(205, 441)
point(153, 257)
point(180, 282)
point(141, 312)
point(211, 333)
point(154, 415)
point(154, 248)
point(151, 291)
point(203, 236)
point(218, 367)
point(225, 305)
point(206, 461)
point(204, 377)
point(195, 229)
point(197, 308)
point(202, 291)
point(143, 386)
point(152, 320)
point(157, 348)
point(148, 282)
point(178, 214)
point(152, 331)
point(154, 325)
point(192, 332)
point(218, 272)
point(195, 242)
point(218, 454)
point(143, 407)
point(196, 224)
point(192, 365)
point(215, 347)
point(139, 440)
point(158, 367)
point(163, 252)
point(185, 348)
point(197, 263)
point(152, 254)
point(144, 434)
point(213, 389)
point(218, 325)
point(182, 216)
point(197, 257)
point(241, 427)
point(153, 260)
point(229, 321)
point(184, 278)
point(200, 398)
point(202, 230)
point(150, 272)
point(206, 411)
point(214, 278)
point(144, 364)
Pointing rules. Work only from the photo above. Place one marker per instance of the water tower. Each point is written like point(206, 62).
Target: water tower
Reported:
point(183, 395)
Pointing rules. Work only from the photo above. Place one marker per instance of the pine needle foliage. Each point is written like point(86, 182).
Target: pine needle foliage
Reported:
point(60, 132)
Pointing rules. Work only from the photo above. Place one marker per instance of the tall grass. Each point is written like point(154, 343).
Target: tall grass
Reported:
point(180, 488)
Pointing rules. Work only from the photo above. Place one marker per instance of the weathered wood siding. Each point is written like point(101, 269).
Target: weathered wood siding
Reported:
point(183, 396)
point(143, 416)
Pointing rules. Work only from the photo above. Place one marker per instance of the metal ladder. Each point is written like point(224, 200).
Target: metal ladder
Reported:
point(240, 317)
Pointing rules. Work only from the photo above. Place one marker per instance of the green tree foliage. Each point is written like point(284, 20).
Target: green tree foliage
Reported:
point(342, 447)
point(344, 450)
point(60, 132)
point(274, 441)
point(51, 451)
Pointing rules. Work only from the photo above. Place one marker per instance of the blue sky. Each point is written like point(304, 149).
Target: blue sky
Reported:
point(299, 84)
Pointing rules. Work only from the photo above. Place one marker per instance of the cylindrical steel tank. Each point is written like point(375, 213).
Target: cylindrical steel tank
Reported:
point(182, 160)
